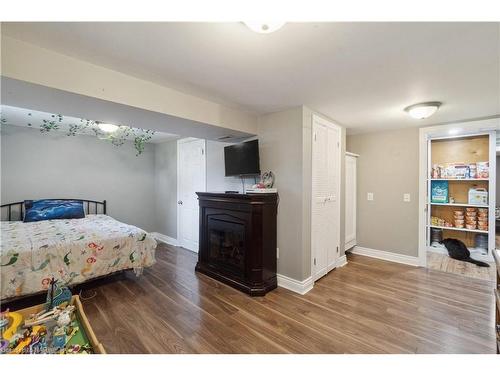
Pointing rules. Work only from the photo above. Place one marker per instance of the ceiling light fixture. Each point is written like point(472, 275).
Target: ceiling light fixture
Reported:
point(423, 110)
point(264, 27)
point(107, 128)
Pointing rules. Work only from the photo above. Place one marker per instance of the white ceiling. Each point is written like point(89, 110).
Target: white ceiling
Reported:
point(360, 74)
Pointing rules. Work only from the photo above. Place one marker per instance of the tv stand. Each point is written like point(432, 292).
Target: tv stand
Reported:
point(238, 240)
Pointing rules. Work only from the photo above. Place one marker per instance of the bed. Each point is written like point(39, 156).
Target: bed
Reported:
point(70, 250)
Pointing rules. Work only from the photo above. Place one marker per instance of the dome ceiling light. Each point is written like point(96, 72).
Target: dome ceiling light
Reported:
point(107, 128)
point(423, 110)
point(264, 27)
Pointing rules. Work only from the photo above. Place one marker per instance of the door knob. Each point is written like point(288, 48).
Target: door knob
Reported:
point(179, 202)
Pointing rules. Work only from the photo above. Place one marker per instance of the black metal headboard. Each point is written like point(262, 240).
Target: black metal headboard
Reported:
point(15, 211)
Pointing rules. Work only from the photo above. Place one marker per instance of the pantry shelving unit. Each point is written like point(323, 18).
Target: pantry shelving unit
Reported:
point(463, 149)
point(460, 205)
point(460, 229)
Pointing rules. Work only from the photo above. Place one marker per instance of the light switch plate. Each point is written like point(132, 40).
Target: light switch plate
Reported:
point(369, 196)
point(406, 197)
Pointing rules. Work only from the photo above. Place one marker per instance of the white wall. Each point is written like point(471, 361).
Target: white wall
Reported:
point(35, 166)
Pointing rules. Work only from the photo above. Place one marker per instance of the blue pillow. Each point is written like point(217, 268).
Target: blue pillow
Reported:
point(49, 209)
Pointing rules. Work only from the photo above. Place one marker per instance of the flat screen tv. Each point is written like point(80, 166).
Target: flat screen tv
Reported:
point(242, 159)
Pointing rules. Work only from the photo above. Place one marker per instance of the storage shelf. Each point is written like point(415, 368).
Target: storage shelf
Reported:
point(459, 179)
point(460, 229)
point(474, 250)
point(460, 205)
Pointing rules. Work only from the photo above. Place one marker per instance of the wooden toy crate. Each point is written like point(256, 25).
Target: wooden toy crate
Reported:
point(84, 322)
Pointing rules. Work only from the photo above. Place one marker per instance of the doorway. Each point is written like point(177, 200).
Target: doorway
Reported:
point(457, 185)
point(191, 178)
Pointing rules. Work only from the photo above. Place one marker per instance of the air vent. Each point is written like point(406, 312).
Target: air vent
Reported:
point(225, 137)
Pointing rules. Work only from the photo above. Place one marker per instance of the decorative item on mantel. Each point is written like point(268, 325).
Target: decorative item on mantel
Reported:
point(265, 185)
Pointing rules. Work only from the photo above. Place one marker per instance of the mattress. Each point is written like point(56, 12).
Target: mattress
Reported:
point(70, 250)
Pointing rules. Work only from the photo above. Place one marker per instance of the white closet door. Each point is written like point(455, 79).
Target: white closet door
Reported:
point(350, 201)
point(325, 202)
point(191, 175)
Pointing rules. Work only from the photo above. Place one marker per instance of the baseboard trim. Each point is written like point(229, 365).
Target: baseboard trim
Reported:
point(385, 255)
point(341, 261)
point(166, 239)
point(300, 287)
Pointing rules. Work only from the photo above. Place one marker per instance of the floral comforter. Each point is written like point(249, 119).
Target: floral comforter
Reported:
point(70, 250)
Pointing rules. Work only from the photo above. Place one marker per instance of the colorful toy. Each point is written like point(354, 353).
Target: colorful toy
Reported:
point(51, 330)
point(57, 295)
point(21, 343)
point(59, 341)
point(73, 332)
point(16, 320)
point(4, 345)
point(47, 316)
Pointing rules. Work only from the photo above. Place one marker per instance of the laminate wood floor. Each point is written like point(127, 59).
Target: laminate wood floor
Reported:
point(368, 306)
point(442, 262)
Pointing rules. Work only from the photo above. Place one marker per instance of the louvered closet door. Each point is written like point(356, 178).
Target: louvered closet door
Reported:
point(325, 202)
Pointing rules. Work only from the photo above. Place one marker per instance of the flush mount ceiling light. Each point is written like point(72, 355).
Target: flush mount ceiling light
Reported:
point(107, 128)
point(264, 27)
point(423, 110)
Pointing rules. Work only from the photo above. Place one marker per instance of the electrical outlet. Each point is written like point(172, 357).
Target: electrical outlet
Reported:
point(277, 253)
point(406, 197)
point(369, 196)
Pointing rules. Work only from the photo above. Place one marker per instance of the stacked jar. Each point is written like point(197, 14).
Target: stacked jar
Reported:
point(482, 219)
point(471, 218)
point(458, 218)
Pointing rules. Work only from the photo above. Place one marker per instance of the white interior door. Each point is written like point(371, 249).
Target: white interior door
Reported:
point(325, 205)
point(191, 177)
point(350, 201)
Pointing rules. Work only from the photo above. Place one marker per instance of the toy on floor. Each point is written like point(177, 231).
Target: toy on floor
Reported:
point(55, 329)
point(57, 295)
point(13, 320)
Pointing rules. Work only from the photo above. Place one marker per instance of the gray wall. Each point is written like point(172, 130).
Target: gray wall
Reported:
point(36, 165)
point(280, 141)
point(166, 188)
point(166, 181)
point(286, 148)
point(216, 179)
point(388, 167)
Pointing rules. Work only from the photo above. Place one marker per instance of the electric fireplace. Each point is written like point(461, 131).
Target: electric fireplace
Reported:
point(238, 240)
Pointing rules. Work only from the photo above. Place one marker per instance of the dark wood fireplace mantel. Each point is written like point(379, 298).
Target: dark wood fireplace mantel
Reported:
point(238, 240)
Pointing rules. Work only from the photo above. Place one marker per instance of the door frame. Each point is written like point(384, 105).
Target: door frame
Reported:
point(452, 130)
point(179, 142)
point(327, 123)
point(355, 157)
